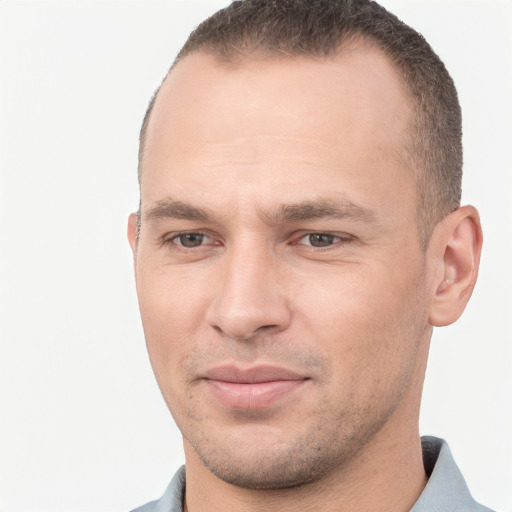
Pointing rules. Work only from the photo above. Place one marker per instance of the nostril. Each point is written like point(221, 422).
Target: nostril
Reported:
point(250, 335)
point(245, 305)
point(267, 327)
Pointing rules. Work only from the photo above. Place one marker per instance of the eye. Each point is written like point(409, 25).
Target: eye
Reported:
point(190, 239)
point(321, 239)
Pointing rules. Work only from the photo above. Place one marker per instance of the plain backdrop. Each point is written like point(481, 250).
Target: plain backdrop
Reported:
point(82, 423)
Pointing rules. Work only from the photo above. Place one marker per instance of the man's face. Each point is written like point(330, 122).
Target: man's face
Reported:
point(282, 286)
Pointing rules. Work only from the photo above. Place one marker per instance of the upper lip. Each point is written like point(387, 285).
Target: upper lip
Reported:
point(253, 375)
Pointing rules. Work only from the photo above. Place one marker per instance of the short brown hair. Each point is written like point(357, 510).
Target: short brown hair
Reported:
point(319, 28)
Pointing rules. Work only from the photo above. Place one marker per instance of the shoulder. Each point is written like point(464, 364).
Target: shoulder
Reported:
point(148, 507)
point(172, 499)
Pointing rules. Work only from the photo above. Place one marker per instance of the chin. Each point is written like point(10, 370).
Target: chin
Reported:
point(269, 472)
point(266, 462)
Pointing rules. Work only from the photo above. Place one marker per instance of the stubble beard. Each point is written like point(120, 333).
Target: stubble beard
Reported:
point(253, 452)
point(262, 463)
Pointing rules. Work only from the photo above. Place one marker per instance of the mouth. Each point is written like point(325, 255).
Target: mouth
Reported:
point(252, 388)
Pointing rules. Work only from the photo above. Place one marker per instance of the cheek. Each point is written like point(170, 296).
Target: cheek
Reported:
point(369, 321)
point(172, 313)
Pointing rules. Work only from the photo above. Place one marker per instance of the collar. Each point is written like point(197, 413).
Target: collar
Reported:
point(446, 490)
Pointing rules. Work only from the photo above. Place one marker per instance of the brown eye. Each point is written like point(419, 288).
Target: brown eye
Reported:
point(189, 239)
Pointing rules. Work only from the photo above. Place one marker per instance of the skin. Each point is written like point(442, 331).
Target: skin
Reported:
point(286, 179)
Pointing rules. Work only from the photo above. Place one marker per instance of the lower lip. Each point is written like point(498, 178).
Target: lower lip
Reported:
point(254, 395)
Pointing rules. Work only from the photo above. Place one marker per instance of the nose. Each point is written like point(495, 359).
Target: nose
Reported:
point(248, 299)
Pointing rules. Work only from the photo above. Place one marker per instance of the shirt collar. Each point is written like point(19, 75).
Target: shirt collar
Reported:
point(445, 491)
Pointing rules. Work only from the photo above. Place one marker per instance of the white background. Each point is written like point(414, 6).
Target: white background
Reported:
point(82, 424)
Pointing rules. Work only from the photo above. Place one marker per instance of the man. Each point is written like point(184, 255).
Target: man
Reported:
point(299, 235)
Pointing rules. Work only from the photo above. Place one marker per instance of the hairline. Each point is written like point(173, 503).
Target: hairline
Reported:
point(408, 156)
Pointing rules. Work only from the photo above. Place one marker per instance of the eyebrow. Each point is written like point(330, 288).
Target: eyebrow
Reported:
point(322, 209)
point(171, 209)
point(293, 212)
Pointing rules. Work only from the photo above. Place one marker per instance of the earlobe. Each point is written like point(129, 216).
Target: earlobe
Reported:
point(133, 232)
point(458, 245)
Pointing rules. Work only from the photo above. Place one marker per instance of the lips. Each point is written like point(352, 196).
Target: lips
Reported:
point(253, 388)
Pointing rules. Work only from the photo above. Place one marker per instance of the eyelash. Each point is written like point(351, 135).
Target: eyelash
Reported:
point(335, 239)
point(338, 238)
point(172, 239)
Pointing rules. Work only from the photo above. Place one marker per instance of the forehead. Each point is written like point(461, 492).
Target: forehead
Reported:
point(348, 113)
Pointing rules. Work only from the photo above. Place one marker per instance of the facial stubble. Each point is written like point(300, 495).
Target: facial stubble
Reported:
point(254, 452)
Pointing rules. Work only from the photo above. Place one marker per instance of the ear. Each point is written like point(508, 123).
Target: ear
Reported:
point(456, 246)
point(133, 233)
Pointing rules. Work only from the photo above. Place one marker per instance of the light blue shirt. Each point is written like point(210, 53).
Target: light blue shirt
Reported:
point(446, 490)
